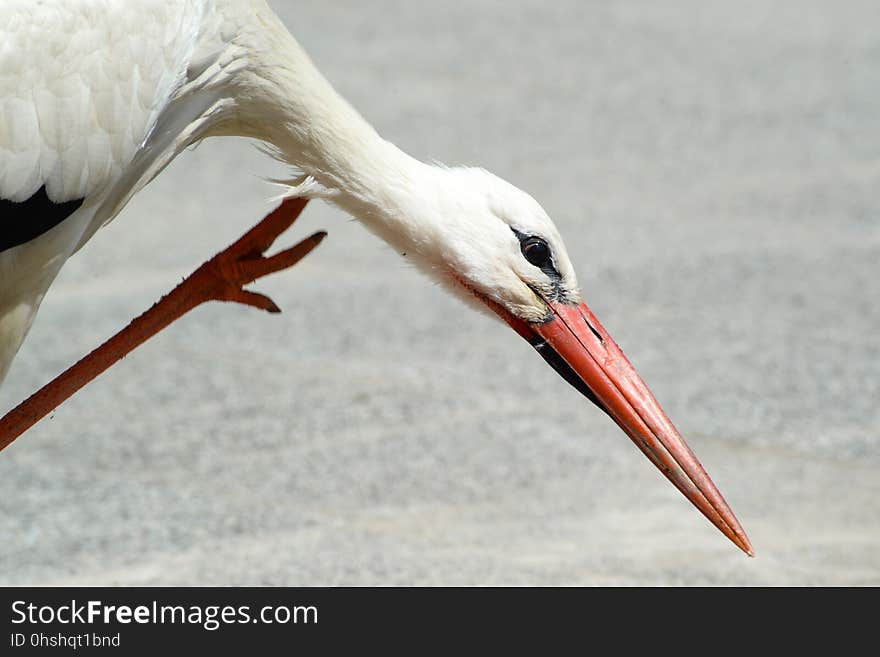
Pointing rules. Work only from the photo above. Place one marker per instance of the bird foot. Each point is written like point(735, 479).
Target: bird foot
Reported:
point(222, 278)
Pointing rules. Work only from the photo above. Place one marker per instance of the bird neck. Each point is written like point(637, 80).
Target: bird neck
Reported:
point(336, 154)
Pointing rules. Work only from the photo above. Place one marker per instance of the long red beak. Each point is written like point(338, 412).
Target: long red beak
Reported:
point(576, 345)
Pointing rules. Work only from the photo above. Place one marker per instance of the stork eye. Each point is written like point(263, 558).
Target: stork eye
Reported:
point(536, 251)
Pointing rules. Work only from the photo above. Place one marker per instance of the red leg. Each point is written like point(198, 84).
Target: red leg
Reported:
point(222, 278)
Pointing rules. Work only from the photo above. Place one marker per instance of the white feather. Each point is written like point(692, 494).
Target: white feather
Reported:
point(81, 83)
point(97, 97)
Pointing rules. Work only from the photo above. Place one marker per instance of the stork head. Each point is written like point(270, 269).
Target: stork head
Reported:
point(494, 245)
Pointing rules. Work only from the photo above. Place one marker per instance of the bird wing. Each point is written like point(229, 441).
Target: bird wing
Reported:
point(82, 83)
point(88, 114)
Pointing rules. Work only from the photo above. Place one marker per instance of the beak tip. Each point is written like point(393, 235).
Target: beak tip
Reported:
point(579, 348)
point(742, 542)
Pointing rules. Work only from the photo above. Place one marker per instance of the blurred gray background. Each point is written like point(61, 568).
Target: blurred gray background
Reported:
point(714, 168)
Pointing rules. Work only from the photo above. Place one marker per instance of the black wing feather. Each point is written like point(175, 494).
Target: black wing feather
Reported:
point(25, 221)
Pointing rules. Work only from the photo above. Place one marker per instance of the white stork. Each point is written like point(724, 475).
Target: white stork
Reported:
point(98, 96)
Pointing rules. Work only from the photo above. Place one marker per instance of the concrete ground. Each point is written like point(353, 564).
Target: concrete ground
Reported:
point(714, 168)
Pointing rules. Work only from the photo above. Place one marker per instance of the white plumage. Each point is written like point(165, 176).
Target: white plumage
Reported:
point(82, 84)
point(82, 87)
point(97, 96)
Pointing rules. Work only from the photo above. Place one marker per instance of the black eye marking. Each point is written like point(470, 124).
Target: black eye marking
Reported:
point(537, 252)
